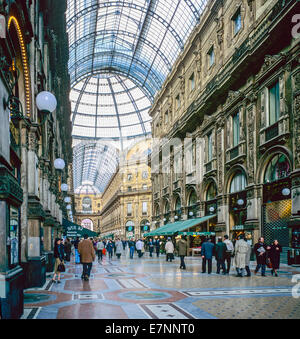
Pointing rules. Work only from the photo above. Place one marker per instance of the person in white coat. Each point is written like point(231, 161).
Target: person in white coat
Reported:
point(140, 247)
point(169, 250)
point(241, 251)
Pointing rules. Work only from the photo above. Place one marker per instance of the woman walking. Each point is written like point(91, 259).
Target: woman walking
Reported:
point(274, 255)
point(109, 248)
point(68, 249)
point(169, 250)
point(119, 248)
point(59, 259)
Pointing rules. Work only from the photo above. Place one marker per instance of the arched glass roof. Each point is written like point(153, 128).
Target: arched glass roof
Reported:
point(109, 107)
point(94, 163)
point(87, 188)
point(140, 39)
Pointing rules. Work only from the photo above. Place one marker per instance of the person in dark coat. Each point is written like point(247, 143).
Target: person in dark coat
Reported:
point(156, 243)
point(207, 251)
point(68, 249)
point(151, 247)
point(220, 251)
point(260, 250)
point(182, 251)
point(59, 258)
point(274, 254)
point(110, 248)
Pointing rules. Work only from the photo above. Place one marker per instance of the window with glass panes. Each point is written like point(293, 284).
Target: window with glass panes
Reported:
point(209, 147)
point(274, 103)
point(237, 21)
point(145, 208)
point(211, 57)
point(129, 210)
point(192, 82)
point(236, 129)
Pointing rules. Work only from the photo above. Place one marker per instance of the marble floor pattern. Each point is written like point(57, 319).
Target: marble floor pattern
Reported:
point(151, 288)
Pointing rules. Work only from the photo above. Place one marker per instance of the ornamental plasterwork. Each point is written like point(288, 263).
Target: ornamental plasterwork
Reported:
point(269, 62)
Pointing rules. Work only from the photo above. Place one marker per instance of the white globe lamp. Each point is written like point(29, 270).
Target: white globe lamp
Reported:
point(46, 101)
point(64, 187)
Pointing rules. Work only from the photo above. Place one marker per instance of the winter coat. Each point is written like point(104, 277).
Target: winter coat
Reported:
point(119, 247)
point(241, 250)
point(220, 249)
point(274, 255)
point(261, 259)
point(182, 247)
point(207, 250)
point(68, 247)
point(139, 245)
point(86, 251)
point(248, 255)
point(59, 252)
point(169, 247)
point(109, 247)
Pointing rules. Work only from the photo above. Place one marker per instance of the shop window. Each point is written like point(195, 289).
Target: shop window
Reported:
point(278, 168)
point(274, 103)
point(13, 237)
point(238, 183)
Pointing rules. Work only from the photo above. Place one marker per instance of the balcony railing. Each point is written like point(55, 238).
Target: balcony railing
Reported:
point(272, 132)
point(234, 152)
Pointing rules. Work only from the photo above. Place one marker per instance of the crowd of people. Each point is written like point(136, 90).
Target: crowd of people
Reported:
point(224, 251)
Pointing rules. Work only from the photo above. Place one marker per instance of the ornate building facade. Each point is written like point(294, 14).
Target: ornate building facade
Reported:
point(88, 204)
point(226, 124)
point(127, 200)
point(34, 57)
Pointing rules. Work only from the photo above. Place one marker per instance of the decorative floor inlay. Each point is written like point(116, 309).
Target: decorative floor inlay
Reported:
point(165, 311)
point(87, 296)
point(143, 288)
point(271, 291)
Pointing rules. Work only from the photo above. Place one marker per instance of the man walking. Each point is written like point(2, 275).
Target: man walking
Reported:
point(87, 253)
point(260, 250)
point(182, 251)
point(139, 247)
point(157, 246)
point(241, 250)
point(131, 244)
point(100, 247)
point(229, 252)
point(207, 254)
point(151, 247)
point(220, 255)
point(169, 250)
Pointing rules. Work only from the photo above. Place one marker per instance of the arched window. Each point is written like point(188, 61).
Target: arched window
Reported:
point(178, 204)
point(87, 223)
point(278, 168)
point(193, 198)
point(238, 182)
point(211, 193)
point(156, 210)
point(167, 207)
point(87, 204)
point(130, 226)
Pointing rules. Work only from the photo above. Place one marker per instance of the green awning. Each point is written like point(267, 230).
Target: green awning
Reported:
point(73, 230)
point(179, 226)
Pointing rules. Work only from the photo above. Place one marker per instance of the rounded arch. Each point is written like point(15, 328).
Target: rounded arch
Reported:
point(177, 202)
point(192, 197)
point(13, 21)
point(87, 223)
point(267, 157)
point(231, 173)
point(166, 206)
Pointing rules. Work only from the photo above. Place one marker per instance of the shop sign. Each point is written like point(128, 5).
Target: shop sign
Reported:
point(197, 233)
point(238, 228)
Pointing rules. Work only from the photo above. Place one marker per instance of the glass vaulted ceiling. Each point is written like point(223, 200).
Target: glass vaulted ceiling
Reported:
point(120, 54)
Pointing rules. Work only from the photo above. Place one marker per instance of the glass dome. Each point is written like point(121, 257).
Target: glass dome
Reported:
point(94, 163)
point(109, 107)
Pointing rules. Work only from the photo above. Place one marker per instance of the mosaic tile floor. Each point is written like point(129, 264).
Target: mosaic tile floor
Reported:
point(151, 288)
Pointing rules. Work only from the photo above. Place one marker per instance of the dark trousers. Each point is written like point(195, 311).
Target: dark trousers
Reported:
point(263, 269)
point(157, 253)
point(151, 251)
point(170, 257)
point(228, 261)
point(204, 265)
point(68, 257)
point(221, 263)
point(118, 255)
point(86, 269)
point(131, 252)
point(110, 254)
point(100, 254)
point(182, 263)
point(248, 271)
